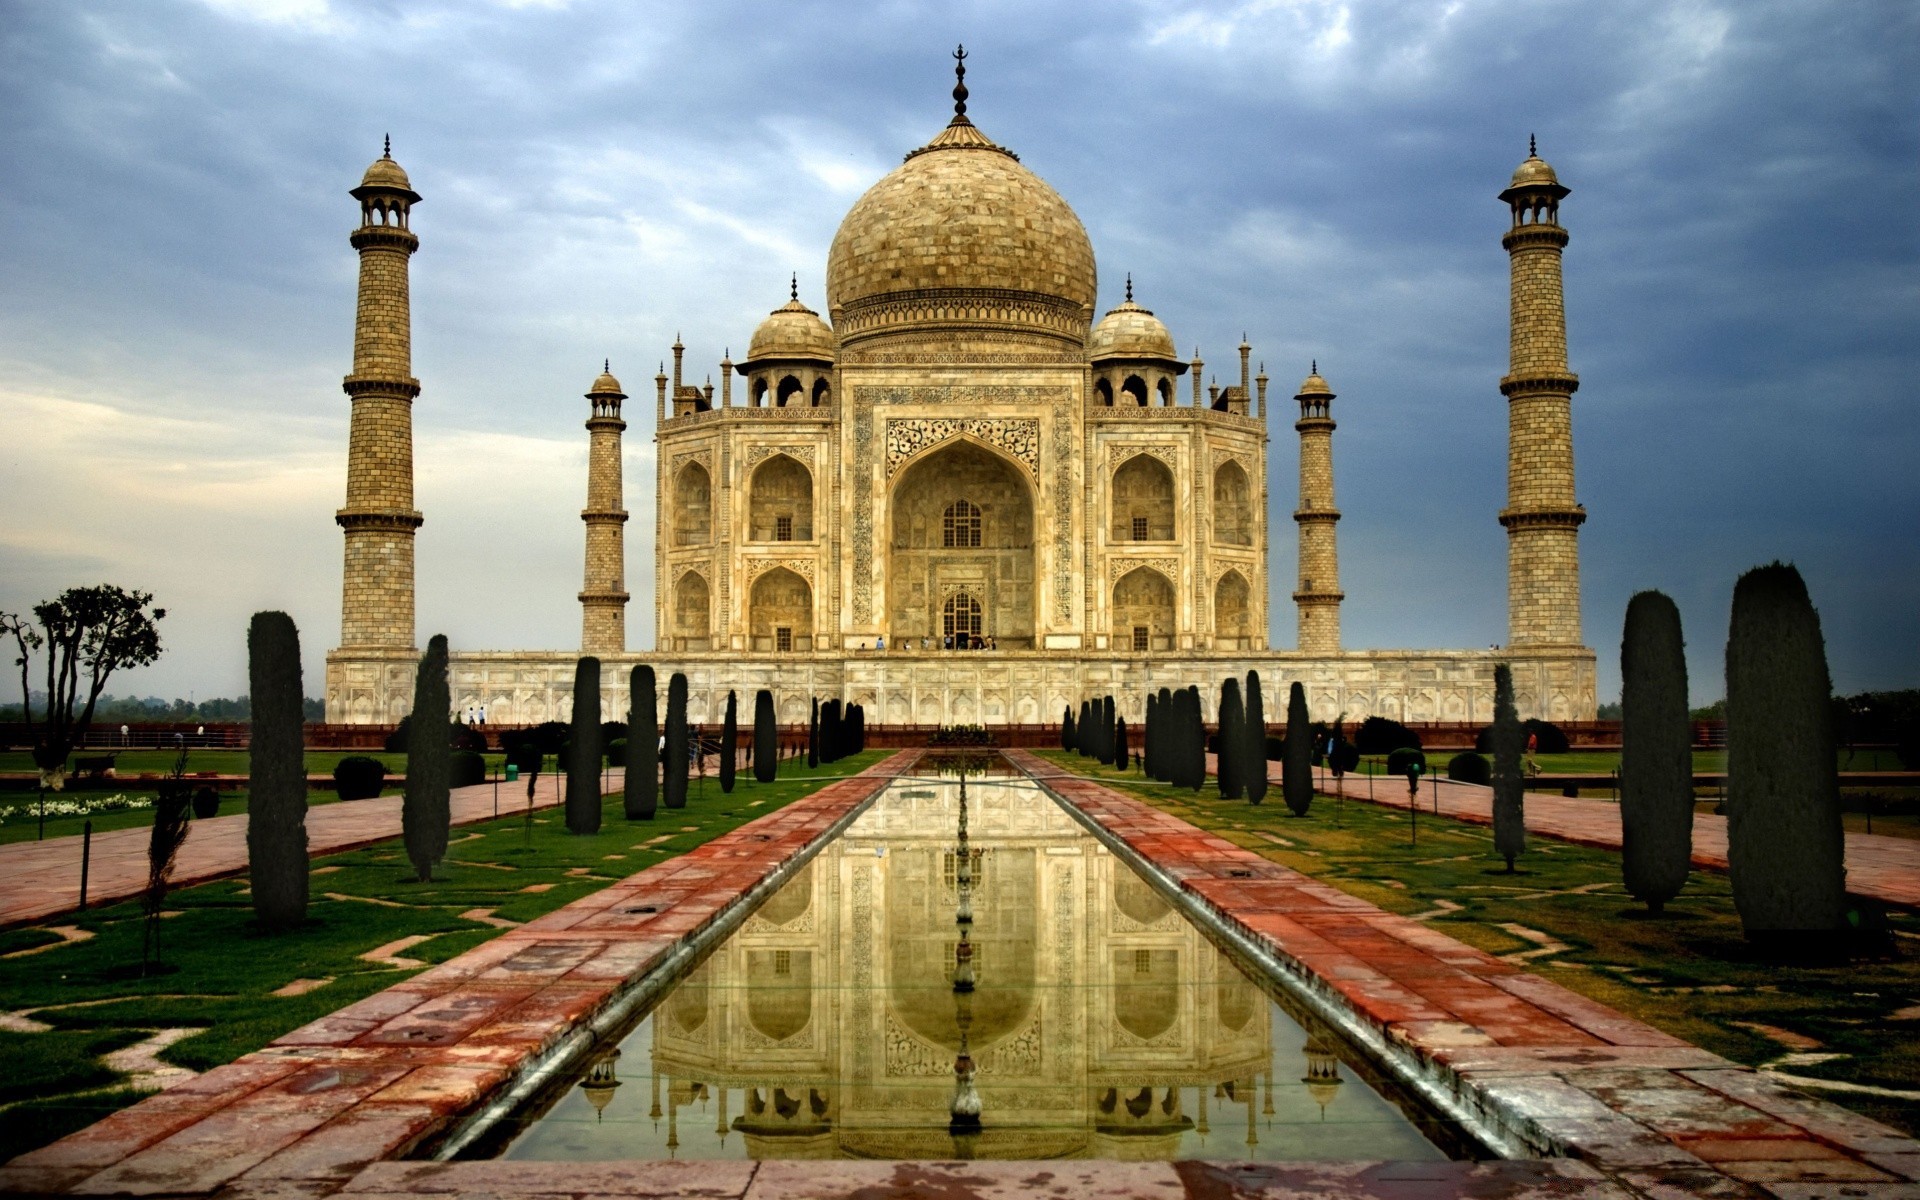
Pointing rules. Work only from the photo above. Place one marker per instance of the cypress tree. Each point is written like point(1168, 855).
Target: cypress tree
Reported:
point(766, 738)
point(1146, 735)
point(1107, 741)
point(424, 812)
point(676, 764)
point(643, 746)
point(813, 733)
point(1254, 760)
point(277, 784)
point(1296, 769)
point(1121, 754)
point(583, 750)
point(1232, 717)
point(860, 730)
point(1785, 848)
point(1656, 753)
point(1509, 786)
point(1193, 742)
point(1066, 729)
point(837, 731)
point(729, 742)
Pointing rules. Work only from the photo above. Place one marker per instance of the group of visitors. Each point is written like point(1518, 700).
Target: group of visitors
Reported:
point(950, 641)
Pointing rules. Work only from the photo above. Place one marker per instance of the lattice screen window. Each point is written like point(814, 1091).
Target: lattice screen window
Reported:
point(783, 638)
point(960, 526)
point(1139, 637)
point(1143, 962)
point(961, 615)
point(1139, 529)
point(783, 529)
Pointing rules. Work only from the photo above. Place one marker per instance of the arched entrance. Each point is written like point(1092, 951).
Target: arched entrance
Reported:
point(962, 526)
point(780, 612)
point(1143, 615)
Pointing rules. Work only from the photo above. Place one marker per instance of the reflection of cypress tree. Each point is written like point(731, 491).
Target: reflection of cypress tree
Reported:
point(1656, 753)
point(766, 738)
point(277, 783)
point(677, 749)
point(729, 742)
point(643, 747)
point(1232, 719)
point(424, 811)
point(1509, 786)
point(1785, 849)
point(1296, 770)
point(583, 750)
point(1254, 755)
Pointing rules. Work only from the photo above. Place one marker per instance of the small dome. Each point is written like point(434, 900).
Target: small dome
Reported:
point(606, 385)
point(1313, 385)
point(1130, 331)
point(792, 331)
point(386, 173)
point(1534, 172)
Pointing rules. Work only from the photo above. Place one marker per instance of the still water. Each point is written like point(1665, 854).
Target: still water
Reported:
point(1100, 1023)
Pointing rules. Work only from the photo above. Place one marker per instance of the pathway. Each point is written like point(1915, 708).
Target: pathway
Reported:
point(1880, 868)
point(42, 879)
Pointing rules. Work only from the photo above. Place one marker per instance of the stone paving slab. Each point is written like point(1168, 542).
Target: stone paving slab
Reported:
point(39, 880)
point(1569, 1074)
point(384, 1074)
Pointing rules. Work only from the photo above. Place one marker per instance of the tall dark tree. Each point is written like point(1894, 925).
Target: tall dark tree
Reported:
point(766, 738)
point(676, 760)
point(425, 812)
point(1193, 742)
point(860, 729)
point(1785, 849)
point(1656, 753)
point(1233, 715)
point(643, 747)
point(1254, 754)
point(729, 742)
point(1296, 769)
point(1509, 785)
point(277, 775)
point(830, 749)
point(1146, 735)
point(1066, 729)
point(1107, 717)
point(583, 750)
point(813, 733)
point(277, 786)
point(1122, 751)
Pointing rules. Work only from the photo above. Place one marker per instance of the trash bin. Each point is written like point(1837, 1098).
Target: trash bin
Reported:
point(513, 772)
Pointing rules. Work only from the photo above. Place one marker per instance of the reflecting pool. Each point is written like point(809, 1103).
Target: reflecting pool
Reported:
point(859, 1013)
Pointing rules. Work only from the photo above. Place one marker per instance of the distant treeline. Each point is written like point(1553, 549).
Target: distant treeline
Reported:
point(153, 708)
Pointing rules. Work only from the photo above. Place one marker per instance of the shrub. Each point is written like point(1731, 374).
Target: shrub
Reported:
point(425, 815)
point(1345, 758)
point(617, 752)
point(583, 750)
point(526, 758)
point(466, 737)
point(1548, 738)
point(1401, 760)
point(465, 769)
point(357, 778)
point(1785, 848)
point(1296, 770)
point(1383, 735)
point(206, 803)
point(1469, 767)
point(1509, 787)
point(1656, 753)
point(550, 736)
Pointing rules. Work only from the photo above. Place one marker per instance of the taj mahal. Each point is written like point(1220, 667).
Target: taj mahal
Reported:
point(959, 451)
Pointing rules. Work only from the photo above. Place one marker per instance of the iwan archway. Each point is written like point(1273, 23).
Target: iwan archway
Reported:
point(961, 553)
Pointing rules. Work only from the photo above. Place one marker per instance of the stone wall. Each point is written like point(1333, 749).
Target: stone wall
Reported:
point(988, 688)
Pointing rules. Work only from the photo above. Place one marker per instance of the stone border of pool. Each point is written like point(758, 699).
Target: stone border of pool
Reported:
point(383, 1076)
point(1525, 1063)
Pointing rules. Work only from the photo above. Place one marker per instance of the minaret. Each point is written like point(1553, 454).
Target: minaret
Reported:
point(1319, 596)
point(376, 606)
point(603, 600)
point(1542, 520)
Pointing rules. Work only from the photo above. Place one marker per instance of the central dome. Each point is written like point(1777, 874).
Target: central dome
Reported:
point(961, 237)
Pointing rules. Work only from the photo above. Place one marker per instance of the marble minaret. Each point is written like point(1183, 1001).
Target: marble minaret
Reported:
point(1319, 595)
point(603, 597)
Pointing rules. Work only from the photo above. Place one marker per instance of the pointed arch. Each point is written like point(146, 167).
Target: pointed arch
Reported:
point(692, 612)
point(780, 612)
point(789, 388)
point(1143, 611)
point(1135, 389)
point(692, 506)
point(937, 546)
point(1232, 613)
point(1232, 506)
point(1142, 501)
point(1103, 392)
point(780, 501)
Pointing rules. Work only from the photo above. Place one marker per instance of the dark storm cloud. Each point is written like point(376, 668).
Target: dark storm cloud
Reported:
point(1741, 279)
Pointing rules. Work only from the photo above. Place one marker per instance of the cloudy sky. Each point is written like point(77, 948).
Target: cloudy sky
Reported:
point(176, 288)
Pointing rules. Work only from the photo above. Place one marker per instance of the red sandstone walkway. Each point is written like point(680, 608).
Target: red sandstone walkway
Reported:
point(303, 1116)
point(42, 879)
point(1880, 868)
point(1554, 1071)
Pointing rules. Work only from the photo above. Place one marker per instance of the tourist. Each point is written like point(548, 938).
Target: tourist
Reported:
point(880, 643)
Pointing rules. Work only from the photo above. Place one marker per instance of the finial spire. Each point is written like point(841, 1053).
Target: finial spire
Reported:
point(606, 366)
point(1129, 287)
point(793, 287)
point(1531, 152)
point(1314, 367)
point(960, 84)
point(386, 146)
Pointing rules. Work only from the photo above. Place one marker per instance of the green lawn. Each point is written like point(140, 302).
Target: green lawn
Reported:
point(221, 973)
point(1689, 973)
point(20, 821)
